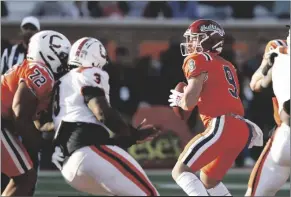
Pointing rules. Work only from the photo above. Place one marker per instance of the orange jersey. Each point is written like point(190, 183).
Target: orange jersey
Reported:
point(37, 77)
point(273, 44)
point(220, 92)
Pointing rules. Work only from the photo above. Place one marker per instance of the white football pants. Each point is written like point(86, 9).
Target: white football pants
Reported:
point(107, 170)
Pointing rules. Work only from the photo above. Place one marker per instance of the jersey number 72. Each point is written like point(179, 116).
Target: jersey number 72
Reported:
point(37, 78)
point(230, 79)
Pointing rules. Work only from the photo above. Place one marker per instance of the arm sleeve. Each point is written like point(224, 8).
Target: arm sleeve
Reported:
point(90, 92)
point(94, 82)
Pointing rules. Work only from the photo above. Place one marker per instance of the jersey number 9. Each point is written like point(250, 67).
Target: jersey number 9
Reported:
point(230, 79)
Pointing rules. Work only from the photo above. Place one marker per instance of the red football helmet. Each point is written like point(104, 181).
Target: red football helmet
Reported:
point(203, 36)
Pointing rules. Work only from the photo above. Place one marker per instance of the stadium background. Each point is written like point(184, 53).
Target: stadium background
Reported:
point(143, 45)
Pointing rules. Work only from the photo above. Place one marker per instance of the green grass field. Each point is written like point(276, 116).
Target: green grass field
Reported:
point(51, 183)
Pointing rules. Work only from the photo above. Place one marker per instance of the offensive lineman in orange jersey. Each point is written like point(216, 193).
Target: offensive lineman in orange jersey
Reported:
point(270, 172)
point(25, 92)
point(213, 86)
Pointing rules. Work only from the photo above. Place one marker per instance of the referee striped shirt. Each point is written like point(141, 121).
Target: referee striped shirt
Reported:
point(11, 56)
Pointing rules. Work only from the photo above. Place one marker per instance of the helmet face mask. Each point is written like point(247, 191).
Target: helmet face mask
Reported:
point(193, 43)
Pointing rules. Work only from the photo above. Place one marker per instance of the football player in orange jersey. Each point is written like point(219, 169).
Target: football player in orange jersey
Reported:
point(272, 168)
point(213, 86)
point(26, 91)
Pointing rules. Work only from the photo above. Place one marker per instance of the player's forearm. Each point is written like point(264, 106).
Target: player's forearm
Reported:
point(108, 116)
point(257, 77)
point(23, 121)
point(256, 80)
point(192, 92)
point(188, 102)
point(267, 80)
point(113, 120)
point(23, 108)
point(28, 132)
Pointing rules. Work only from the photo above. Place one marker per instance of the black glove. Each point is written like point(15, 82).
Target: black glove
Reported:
point(145, 133)
point(138, 135)
point(271, 60)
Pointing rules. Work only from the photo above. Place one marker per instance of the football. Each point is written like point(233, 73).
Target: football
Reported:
point(182, 114)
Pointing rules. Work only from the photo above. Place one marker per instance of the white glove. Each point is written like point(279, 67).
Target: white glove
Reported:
point(58, 157)
point(175, 98)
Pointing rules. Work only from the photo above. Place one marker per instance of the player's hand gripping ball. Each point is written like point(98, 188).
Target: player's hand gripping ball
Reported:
point(174, 98)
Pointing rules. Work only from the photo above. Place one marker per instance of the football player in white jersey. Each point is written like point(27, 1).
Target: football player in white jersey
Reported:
point(95, 163)
point(275, 159)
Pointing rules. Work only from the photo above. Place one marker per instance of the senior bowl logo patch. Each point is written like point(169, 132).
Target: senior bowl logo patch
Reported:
point(191, 65)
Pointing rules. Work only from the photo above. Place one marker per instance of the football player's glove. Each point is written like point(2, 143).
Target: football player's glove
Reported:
point(58, 157)
point(138, 135)
point(145, 133)
point(270, 60)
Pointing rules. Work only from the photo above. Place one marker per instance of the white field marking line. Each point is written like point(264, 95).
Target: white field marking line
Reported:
point(156, 172)
point(161, 186)
point(231, 186)
point(166, 185)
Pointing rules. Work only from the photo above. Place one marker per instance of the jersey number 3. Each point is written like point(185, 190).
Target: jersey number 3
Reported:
point(230, 79)
point(97, 78)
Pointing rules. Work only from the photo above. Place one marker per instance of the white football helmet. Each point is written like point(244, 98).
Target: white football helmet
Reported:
point(50, 47)
point(88, 52)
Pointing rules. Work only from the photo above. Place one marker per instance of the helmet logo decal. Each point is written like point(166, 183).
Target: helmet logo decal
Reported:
point(102, 51)
point(52, 39)
point(212, 27)
point(83, 54)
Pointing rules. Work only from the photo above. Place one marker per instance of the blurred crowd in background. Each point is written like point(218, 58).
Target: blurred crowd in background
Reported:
point(172, 9)
point(147, 81)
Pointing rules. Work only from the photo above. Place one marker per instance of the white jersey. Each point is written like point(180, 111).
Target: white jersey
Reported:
point(281, 79)
point(72, 107)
